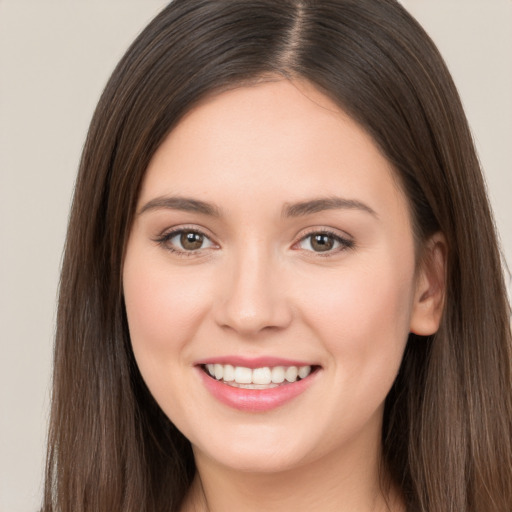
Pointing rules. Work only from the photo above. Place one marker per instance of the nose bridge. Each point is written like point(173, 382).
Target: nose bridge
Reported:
point(254, 298)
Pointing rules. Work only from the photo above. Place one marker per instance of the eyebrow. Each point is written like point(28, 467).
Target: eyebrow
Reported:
point(185, 204)
point(325, 203)
point(299, 209)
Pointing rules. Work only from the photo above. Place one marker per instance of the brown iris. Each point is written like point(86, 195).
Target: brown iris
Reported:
point(191, 241)
point(322, 243)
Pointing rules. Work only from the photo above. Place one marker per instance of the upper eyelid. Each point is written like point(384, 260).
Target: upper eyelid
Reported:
point(324, 230)
point(180, 229)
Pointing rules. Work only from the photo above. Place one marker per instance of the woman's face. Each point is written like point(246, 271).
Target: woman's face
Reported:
point(271, 239)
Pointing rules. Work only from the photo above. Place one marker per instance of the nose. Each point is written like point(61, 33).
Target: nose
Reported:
point(254, 296)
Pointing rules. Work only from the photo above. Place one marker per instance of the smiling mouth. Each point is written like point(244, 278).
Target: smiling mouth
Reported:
point(257, 378)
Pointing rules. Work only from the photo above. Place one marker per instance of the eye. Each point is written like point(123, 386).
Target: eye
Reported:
point(185, 240)
point(324, 242)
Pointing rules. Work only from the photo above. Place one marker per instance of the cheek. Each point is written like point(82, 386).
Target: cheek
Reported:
point(164, 306)
point(364, 318)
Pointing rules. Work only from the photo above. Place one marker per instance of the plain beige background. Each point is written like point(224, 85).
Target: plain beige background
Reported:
point(55, 57)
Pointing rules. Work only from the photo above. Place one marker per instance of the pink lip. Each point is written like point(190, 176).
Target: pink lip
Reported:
point(255, 362)
point(255, 400)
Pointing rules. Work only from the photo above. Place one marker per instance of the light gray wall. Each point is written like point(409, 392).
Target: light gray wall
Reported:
point(55, 57)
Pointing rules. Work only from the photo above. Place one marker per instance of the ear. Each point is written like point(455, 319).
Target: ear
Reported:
point(430, 287)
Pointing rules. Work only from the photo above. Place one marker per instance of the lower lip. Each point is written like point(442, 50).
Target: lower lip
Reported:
point(255, 400)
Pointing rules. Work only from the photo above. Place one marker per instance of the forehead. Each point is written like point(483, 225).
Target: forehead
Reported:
point(276, 140)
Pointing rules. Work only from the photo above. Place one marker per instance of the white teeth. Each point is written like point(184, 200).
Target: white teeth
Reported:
point(219, 371)
point(243, 375)
point(261, 376)
point(258, 378)
point(278, 374)
point(252, 386)
point(229, 373)
point(304, 371)
point(291, 374)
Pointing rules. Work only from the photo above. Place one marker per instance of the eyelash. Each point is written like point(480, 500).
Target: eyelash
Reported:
point(165, 238)
point(344, 243)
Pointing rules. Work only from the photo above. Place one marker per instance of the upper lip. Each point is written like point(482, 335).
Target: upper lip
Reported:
point(254, 362)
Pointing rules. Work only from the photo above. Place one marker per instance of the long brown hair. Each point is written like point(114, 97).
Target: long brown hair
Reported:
point(447, 435)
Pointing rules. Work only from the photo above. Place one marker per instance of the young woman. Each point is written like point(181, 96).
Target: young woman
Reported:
point(281, 288)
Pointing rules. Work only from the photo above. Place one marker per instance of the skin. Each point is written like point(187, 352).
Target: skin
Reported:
point(257, 287)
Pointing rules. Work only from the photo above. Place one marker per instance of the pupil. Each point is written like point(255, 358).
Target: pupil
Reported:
point(322, 243)
point(191, 241)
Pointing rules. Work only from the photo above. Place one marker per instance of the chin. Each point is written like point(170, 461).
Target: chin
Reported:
point(258, 450)
point(253, 461)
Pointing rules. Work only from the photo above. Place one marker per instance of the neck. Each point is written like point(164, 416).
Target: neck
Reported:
point(333, 483)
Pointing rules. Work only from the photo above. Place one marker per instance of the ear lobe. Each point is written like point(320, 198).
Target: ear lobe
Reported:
point(430, 287)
